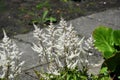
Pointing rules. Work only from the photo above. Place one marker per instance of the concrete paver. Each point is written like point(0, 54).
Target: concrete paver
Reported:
point(29, 56)
point(84, 26)
point(111, 17)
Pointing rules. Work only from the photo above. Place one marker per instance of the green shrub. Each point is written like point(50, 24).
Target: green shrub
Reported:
point(107, 41)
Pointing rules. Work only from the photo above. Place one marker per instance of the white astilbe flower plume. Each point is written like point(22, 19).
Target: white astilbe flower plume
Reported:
point(10, 66)
point(90, 54)
point(57, 42)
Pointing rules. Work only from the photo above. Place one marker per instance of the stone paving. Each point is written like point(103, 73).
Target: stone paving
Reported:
point(83, 25)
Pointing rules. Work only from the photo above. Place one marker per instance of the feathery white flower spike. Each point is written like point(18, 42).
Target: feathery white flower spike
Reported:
point(5, 38)
point(10, 66)
point(74, 65)
point(37, 48)
point(35, 26)
point(73, 56)
point(58, 61)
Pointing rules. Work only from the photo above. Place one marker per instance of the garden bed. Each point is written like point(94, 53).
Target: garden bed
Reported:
point(17, 16)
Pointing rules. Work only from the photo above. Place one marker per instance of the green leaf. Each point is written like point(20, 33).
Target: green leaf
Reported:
point(116, 34)
point(118, 77)
point(103, 37)
point(75, 77)
point(51, 19)
point(44, 15)
point(83, 77)
point(108, 42)
point(68, 77)
point(105, 78)
point(103, 70)
point(2, 79)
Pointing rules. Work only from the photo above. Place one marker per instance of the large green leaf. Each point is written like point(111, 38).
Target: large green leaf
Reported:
point(103, 37)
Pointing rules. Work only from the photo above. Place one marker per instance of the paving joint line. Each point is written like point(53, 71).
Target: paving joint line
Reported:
point(38, 65)
point(21, 40)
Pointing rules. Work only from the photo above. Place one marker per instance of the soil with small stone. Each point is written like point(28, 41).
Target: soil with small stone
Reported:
point(17, 16)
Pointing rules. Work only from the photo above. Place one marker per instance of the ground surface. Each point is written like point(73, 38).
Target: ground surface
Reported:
point(16, 16)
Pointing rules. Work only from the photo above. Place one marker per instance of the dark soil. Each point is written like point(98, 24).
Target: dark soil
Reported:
point(17, 16)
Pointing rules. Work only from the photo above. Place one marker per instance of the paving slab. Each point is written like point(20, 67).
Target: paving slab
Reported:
point(111, 17)
point(26, 38)
point(85, 25)
point(29, 56)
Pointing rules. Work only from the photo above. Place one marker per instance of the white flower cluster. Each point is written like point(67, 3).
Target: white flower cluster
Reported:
point(56, 42)
point(10, 66)
point(92, 53)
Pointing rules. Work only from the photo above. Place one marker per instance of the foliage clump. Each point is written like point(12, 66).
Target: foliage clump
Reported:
point(107, 41)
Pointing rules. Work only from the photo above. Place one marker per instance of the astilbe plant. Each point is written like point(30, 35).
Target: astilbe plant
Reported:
point(10, 64)
point(61, 47)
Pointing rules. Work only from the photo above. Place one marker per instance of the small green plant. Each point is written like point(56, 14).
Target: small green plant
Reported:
point(65, 74)
point(70, 74)
point(103, 75)
point(44, 18)
point(107, 41)
point(74, 74)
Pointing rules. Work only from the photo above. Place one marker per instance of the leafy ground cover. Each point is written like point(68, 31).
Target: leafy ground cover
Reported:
point(17, 16)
